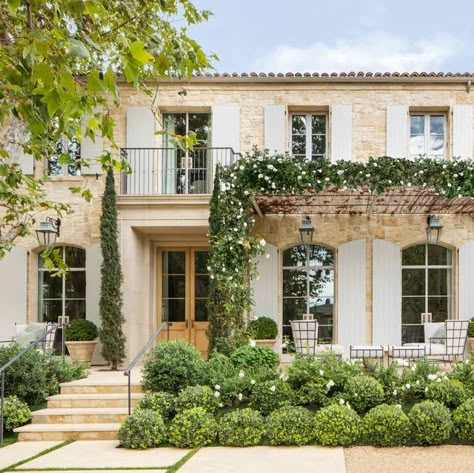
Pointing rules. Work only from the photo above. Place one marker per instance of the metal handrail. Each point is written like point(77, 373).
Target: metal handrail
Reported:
point(8, 364)
point(128, 371)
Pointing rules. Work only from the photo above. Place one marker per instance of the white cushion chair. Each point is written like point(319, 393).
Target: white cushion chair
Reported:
point(365, 352)
point(28, 333)
point(305, 336)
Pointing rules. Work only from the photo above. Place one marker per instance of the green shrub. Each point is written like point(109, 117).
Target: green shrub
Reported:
point(66, 370)
point(81, 330)
point(241, 428)
point(449, 392)
point(363, 392)
point(290, 425)
point(464, 372)
point(337, 425)
point(249, 356)
point(463, 421)
point(268, 396)
point(172, 366)
point(16, 413)
point(388, 377)
point(196, 396)
point(143, 429)
point(431, 422)
point(195, 427)
point(413, 382)
point(314, 393)
point(470, 328)
point(163, 403)
point(386, 425)
point(263, 328)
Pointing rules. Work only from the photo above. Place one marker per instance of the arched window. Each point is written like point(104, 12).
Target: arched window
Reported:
point(427, 287)
point(63, 295)
point(308, 287)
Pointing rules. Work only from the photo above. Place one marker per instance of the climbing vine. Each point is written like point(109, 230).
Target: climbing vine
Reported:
point(234, 246)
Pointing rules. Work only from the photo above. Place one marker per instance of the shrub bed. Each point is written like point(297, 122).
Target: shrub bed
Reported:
point(143, 429)
point(197, 396)
point(161, 402)
point(194, 427)
point(271, 395)
point(431, 422)
point(15, 413)
point(449, 392)
point(290, 425)
point(363, 392)
point(463, 421)
point(254, 356)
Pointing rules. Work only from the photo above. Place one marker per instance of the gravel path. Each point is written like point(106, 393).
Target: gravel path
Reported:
point(443, 459)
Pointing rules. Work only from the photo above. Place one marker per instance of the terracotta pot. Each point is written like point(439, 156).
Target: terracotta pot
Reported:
point(266, 343)
point(81, 351)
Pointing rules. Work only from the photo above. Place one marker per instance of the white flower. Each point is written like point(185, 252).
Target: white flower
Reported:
point(327, 179)
point(273, 388)
point(329, 385)
point(217, 393)
point(267, 256)
point(217, 387)
point(340, 172)
point(395, 392)
point(260, 176)
point(432, 377)
point(246, 192)
point(252, 381)
point(438, 380)
point(240, 396)
point(417, 381)
point(321, 373)
point(355, 394)
point(342, 402)
point(262, 242)
point(253, 343)
point(241, 374)
point(408, 386)
point(399, 406)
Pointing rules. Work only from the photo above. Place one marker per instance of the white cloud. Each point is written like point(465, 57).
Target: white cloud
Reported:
point(373, 52)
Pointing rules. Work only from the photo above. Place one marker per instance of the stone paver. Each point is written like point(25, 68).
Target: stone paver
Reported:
point(17, 452)
point(103, 454)
point(266, 460)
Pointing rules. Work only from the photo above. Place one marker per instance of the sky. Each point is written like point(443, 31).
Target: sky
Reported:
point(339, 35)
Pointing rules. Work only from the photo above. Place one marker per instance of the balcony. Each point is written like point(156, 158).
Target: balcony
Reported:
point(172, 171)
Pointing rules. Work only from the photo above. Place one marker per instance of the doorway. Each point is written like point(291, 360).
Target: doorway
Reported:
point(183, 289)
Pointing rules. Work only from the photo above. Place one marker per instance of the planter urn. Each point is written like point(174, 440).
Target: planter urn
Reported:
point(81, 351)
point(266, 343)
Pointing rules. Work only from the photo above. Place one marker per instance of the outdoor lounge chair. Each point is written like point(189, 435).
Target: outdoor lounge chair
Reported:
point(28, 333)
point(305, 337)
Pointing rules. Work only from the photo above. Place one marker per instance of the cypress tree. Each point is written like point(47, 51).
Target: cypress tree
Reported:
point(110, 306)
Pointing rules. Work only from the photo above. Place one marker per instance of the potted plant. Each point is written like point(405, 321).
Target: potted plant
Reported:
point(81, 340)
point(264, 330)
point(470, 337)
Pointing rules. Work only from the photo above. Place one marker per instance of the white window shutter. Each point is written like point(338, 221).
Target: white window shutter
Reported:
point(386, 293)
point(265, 289)
point(341, 132)
point(351, 294)
point(140, 127)
point(26, 161)
point(91, 149)
point(226, 127)
point(397, 131)
point(275, 120)
point(13, 291)
point(462, 131)
point(466, 280)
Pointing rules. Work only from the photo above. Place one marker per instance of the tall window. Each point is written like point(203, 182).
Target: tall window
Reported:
point(427, 287)
point(65, 148)
point(428, 135)
point(308, 286)
point(63, 295)
point(308, 135)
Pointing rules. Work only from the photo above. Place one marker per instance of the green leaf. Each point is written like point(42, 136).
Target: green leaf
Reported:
point(139, 53)
point(43, 73)
point(79, 49)
point(94, 84)
point(52, 101)
point(13, 5)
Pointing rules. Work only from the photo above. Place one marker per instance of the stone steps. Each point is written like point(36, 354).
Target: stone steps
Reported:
point(70, 388)
point(92, 400)
point(80, 415)
point(68, 431)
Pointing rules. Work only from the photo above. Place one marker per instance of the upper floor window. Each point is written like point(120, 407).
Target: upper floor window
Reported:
point(308, 136)
point(184, 123)
point(65, 147)
point(428, 135)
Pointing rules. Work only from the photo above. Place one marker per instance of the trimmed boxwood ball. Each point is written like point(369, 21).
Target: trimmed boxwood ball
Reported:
point(271, 395)
point(258, 356)
point(241, 428)
point(196, 396)
point(386, 425)
point(337, 425)
point(290, 425)
point(449, 392)
point(263, 328)
point(15, 413)
point(143, 429)
point(363, 392)
point(314, 393)
point(431, 422)
point(160, 402)
point(194, 427)
point(81, 330)
point(172, 366)
point(463, 421)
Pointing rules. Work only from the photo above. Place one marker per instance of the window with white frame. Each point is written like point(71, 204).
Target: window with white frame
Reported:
point(66, 294)
point(60, 164)
point(428, 135)
point(308, 137)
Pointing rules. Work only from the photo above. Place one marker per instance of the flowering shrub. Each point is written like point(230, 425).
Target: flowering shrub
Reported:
point(171, 366)
point(431, 422)
point(449, 392)
point(254, 356)
point(314, 393)
point(337, 425)
point(464, 372)
point(143, 429)
point(197, 396)
point(241, 428)
point(195, 427)
point(15, 414)
point(414, 381)
point(363, 392)
point(270, 395)
point(263, 328)
point(463, 421)
point(290, 425)
point(386, 425)
point(160, 402)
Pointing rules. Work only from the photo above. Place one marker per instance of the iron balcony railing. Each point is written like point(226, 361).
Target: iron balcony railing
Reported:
point(172, 171)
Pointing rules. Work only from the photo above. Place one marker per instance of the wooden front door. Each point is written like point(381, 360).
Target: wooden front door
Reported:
point(183, 283)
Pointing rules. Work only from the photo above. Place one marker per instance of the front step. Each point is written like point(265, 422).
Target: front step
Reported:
point(80, 415)
point(99, 388)
point(68, 432)
point(60, 401)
